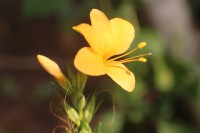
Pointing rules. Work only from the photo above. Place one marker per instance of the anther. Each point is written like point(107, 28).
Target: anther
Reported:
point(141, 45)
point(142, 59)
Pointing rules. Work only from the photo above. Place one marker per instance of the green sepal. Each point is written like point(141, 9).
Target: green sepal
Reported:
point(85, 127)
point(81, 80)
point(98, 129)
point(78, 80)
point(97, 106)
point(78, 100)
point(89, 109)
point(66, 85)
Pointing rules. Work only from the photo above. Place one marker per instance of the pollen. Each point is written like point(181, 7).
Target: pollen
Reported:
point(142, 59)
point(141, 45)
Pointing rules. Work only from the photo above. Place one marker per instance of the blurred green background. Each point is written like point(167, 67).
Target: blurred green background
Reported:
point(166, 98)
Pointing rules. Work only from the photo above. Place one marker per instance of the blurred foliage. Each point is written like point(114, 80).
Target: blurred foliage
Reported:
point(43, 92)
point(166, 93)
point(66, 11)
point(195, 8)
point(59, 8)
point(9, 87)
point(166, 97)
point(2, 131)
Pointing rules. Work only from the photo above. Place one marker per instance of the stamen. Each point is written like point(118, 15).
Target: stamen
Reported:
point(128, 60)
point(140, 45)
point(142, 59)
point(142, 55)
point(118, 57)
point(134, 57)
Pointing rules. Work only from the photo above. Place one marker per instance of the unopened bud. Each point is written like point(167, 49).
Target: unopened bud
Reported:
point(72, 114)
point(53, 69)
point(50, 66)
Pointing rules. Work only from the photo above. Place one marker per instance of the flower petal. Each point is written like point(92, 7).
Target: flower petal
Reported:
point(121, 75)
point(88, 62)
point(88, 32)
point(103, 30)
point(99, 35)
point(123, 35)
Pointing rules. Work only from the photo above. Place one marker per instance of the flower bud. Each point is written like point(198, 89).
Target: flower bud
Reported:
point(53, 69)
point(72, 114)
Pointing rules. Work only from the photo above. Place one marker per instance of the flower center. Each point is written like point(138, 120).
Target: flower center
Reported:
point(131, 59)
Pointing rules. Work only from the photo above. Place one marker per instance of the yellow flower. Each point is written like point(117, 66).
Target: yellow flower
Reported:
point(52, 68)
point(107, 38)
